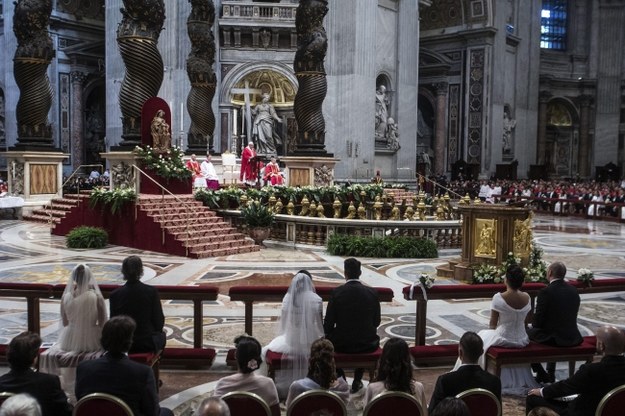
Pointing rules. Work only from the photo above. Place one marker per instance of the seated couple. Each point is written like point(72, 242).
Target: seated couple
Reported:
point(204, 174)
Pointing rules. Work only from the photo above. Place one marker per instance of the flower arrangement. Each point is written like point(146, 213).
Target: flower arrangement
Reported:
point(116, 198)
point(426, 281)
point(169, 165)
point(536, 270)
point(585, 276)
point(487, 273)
point(510, 260)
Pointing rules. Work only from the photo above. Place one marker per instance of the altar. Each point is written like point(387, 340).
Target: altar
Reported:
point(13, 203)
point(489, 233)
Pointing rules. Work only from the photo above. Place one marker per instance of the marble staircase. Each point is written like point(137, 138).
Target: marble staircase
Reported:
point(54, 211)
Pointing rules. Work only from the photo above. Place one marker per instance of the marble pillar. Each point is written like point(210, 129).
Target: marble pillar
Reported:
point(78, 79)
point(440, 135)
point(584, 139)
point(542, 127)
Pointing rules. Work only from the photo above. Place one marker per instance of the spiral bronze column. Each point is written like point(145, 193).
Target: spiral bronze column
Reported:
point(202, 76)
point(30, 64)
point(312, 44)
point(137, 39)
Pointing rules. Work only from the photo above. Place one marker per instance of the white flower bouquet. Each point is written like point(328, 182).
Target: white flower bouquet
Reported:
point(586, 276)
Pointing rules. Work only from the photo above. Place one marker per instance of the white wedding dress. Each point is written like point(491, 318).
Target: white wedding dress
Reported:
point(300, 325)
point(83, 313)
point(510, 333)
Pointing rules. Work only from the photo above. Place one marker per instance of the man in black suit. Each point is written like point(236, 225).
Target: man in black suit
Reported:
point(142, 303)
point(591, 382)
point(468, 376)
point(555, 318)
point(114, 373)
point(22, 354)
point(352, 317)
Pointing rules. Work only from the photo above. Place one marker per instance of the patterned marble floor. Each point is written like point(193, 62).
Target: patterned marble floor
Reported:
point(28, 253)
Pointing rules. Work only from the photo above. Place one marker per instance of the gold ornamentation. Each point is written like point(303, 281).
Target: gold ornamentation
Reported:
point(377, 207)
point(351, 211)
point(522, 240)
point(337, 207)
point(305, 205)
point(485, 241)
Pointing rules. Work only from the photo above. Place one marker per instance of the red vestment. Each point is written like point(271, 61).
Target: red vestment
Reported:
point(249, 169)
point(272, 173)
point(194, 167)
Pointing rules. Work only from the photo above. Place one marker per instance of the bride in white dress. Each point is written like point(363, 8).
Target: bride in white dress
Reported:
point(300, 325)
point(83, 314)
point(508, 318)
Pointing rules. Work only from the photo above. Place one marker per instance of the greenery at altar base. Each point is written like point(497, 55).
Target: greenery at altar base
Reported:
point(231, 196)
point(535, 272)
point(115, 199)
point(168, 165)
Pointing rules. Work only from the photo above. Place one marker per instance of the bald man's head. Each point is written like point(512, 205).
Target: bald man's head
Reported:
point(610, 340)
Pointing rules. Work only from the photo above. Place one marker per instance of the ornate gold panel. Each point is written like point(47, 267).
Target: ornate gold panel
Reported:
point(299, 177)
point(43, 179)
point(485, 240)
point(522, 240)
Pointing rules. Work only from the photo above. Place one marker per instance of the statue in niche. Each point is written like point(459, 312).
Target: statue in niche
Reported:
point(381, 113)
point(263, 129)
point(161, 135)
point(265, 38)
point(392, 135)
point(508, 126)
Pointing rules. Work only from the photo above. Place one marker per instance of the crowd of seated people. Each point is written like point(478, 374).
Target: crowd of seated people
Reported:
point(545, 194)
point(136, 325)
point(81, 182)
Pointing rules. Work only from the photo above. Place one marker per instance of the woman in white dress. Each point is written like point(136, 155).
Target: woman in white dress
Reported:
point(83, 314)
point(300, 325)
point(508, 317)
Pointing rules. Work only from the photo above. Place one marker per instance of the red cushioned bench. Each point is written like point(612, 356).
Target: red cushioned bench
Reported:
point(251, 294)
point(191, 357)
point(367, 361)
point(496, 357)
point(434, 354)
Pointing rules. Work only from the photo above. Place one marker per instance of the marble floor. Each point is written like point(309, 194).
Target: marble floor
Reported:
point(28, 253)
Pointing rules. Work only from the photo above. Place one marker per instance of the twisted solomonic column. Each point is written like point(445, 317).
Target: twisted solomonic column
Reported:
point(30, 64)
point(137, 38)
point(200, 71)
point(312, 44)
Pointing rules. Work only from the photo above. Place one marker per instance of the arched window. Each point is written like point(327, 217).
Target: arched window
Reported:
point(553, 24)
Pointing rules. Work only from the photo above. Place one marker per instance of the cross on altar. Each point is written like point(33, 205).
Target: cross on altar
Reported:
point(248, 110)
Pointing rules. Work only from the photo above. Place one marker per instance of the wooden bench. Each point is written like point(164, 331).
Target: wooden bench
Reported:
point(250, 294)
point(496, 357)
point(367, 361)
point(190, 357)
point(434, 354)
point(487, 291)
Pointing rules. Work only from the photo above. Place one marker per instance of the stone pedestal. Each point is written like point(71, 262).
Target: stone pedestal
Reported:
point(38, 176)
point(122, 172)
point(489, 233)
point(309, 171)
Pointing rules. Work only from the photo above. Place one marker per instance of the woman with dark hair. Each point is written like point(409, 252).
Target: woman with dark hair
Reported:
point(395, 373)
point(142, 303)
point(450, 406)
point(508, 318)
point(248, 360)
point(321, 373)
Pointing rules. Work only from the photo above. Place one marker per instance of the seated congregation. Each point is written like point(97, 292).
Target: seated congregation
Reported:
point(307, 358)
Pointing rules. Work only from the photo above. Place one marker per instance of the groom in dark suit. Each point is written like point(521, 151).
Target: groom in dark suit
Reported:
point(352, 317)
point(591, 382)
point(468, 376)
point(114, 373)
point(555, 318)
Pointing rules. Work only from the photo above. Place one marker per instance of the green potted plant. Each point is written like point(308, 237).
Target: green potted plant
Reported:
point(258, 219)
